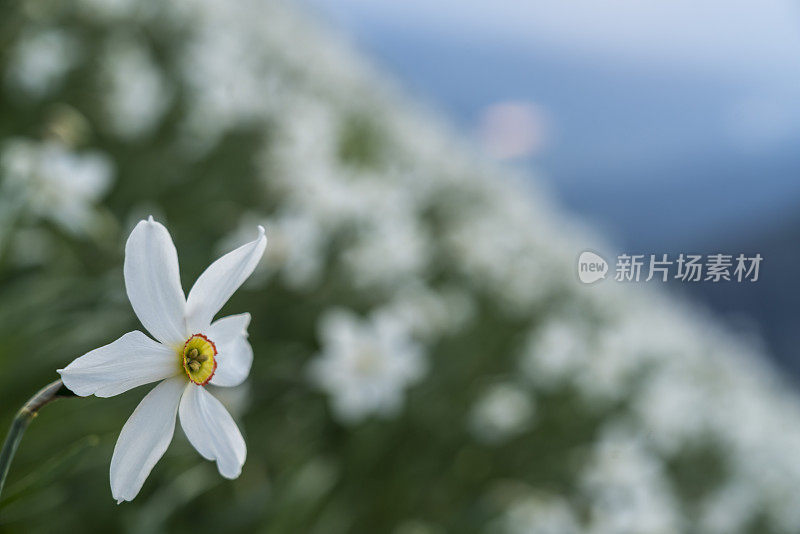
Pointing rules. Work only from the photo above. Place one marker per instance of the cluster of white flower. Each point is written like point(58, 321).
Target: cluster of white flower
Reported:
point(627, 489)
point(136, 94)
point(361, 189)
point(682, 381)
point(53, 182)
point(40, 61)
point(366, 365)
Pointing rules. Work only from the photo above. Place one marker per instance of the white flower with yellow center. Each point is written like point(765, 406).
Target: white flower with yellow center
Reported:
point(191, 351)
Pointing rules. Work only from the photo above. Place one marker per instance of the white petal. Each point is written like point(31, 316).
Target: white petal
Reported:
point(341, 328)
point(233, 363)
point(145, 438)
point(228, 328)
point(153, 282)
point(217, 283)
point(130, 361)
point(234, 354)
point(212, 431)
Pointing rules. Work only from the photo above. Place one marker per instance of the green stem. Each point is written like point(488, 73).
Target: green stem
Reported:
point(47, 394)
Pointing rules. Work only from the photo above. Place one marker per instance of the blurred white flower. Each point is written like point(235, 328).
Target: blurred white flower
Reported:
point(430, 313)
point(228, 84)
point(504, 247)
point(137, 94)
point(539, 514)
point(730, 509)
point(366, 365)
point(54, 182)
point(627, 488)
point(668, 406)
point(503, 411)
point(40, 61)
point(108, 9)
point(299, 247)
point(553, 352)
point(609, 373)
point(388, 251)
point(190, 352)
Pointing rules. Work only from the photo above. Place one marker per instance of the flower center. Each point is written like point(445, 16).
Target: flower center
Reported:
point(198, 359)
point(367, 360)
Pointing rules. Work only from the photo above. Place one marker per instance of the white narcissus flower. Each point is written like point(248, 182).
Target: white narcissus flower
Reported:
point(191, 351)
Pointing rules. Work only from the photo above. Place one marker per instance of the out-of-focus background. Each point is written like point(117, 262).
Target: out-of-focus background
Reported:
point(426, 359)
point(670, 126)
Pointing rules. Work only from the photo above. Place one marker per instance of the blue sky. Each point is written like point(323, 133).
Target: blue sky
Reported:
point(731, 37)
point(674, 124)
point(695, 100)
